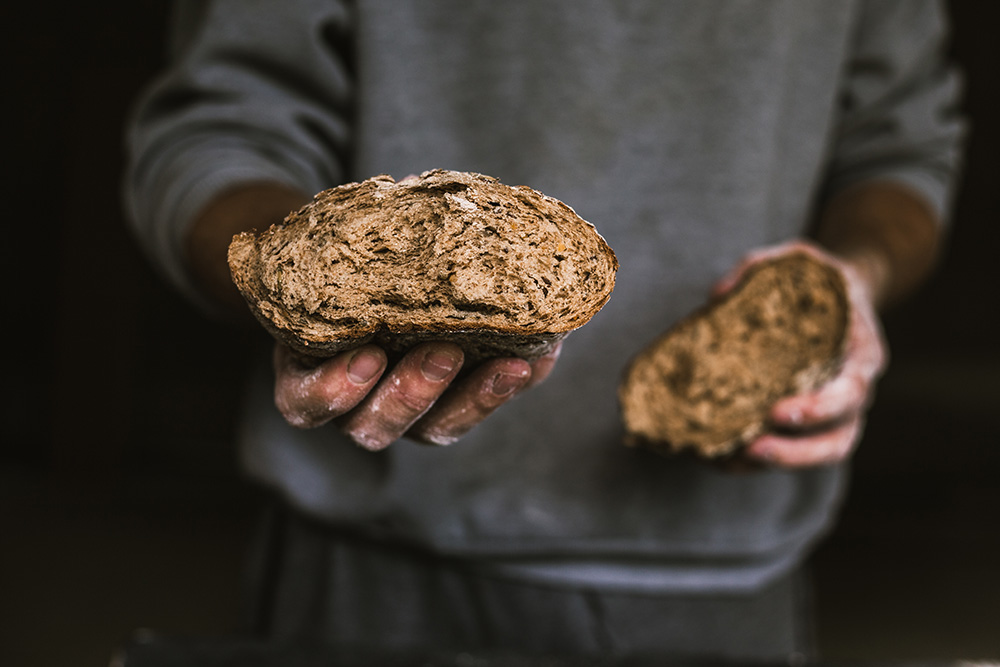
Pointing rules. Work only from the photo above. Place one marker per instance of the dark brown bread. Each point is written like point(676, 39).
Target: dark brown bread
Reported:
point(446, 256)
point(708, 384)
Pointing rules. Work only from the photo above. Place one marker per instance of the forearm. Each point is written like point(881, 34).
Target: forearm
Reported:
point(887, 232)
point(252, 206)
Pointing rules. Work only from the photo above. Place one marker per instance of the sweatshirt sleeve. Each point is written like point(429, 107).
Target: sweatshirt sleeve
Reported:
point(256, 91)
point(899, 115)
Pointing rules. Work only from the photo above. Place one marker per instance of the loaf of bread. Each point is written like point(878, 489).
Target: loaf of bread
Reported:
point(457, 256)
point(708, 384)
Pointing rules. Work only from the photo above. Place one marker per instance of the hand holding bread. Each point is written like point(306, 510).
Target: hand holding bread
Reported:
point(381, 294)
point(419, 397)
point(824, 425)
point(778, 367)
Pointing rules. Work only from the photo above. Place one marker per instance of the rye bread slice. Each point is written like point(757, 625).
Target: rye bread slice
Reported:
point(708, 384)
point(448, 255)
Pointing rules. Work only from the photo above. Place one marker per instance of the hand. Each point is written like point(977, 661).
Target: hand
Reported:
point(824, 426)
point(418, 398)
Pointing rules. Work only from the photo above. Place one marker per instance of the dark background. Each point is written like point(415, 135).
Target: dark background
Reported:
point(120, 504)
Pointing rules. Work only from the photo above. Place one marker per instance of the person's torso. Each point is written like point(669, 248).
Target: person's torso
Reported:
point(688, 133)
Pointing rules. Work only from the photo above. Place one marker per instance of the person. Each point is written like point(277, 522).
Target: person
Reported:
point(698, 137)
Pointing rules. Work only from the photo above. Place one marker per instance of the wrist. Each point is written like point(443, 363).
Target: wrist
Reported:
point(884, 231)
point(252, 206)
point(873, 270)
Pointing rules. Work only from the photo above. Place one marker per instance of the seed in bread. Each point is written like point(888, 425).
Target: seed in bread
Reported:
point(708, 384)
point(502, 270)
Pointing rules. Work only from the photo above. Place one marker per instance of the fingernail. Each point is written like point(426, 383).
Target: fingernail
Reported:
point(438, 365)
point(794, 416)
point(363, 366)
point(506, 383)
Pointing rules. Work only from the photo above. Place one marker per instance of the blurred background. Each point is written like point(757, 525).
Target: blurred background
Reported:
point(120, 504)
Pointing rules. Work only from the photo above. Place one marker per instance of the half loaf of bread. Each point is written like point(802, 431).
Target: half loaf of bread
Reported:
point(457, 256)
point(708, 384)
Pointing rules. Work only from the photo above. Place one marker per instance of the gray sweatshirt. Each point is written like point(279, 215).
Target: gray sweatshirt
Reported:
point(686, 132)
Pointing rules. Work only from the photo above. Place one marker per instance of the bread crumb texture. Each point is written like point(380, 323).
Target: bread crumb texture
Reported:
point(708, 384)
point(447, 255)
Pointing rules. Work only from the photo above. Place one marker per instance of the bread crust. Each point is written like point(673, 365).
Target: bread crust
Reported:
point(465, 232)
point(706, 386)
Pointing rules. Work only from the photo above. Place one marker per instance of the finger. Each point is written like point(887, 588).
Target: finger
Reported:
point(846, 396)
point(808, 450)
point(727, 282)
point(489, 387)
point(542, 367)
point(404, 395)
point(849, 393)
point(309, 396)
point(473, 400)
